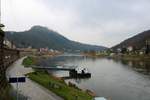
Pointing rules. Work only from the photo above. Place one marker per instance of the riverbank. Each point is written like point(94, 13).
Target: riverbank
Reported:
point(131, 57)
point(110, 75)
point(55, 84)
point(58, 86)
point(29, 89)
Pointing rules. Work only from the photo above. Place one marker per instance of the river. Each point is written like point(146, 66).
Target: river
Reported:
point(115, 79)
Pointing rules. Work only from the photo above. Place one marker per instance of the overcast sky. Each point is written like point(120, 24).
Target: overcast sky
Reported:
point(100, 22)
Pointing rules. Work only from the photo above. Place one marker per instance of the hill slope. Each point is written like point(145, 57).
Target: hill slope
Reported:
point(39, 37)
point(138, 41)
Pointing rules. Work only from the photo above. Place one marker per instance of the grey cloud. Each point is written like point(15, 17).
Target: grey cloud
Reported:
point(99, 20)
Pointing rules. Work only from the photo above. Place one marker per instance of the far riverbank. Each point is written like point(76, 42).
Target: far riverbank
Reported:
point(127, 57)
point(131, 57)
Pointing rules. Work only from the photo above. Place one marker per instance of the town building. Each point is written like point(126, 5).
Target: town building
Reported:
point(8, 44)
point(129, 48)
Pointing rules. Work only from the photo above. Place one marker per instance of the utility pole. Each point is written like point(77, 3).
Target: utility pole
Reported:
point(1, 25)
point(147, 46)
point(2, 67)
point(0, 10)
point(2, 34)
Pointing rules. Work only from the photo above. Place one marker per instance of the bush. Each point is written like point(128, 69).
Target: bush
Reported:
point(28, 61)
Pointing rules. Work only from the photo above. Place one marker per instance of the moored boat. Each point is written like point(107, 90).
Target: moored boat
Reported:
point(100, 98)
point(80, 73)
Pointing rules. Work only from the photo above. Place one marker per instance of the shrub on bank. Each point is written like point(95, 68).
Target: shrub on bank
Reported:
point(28, 61)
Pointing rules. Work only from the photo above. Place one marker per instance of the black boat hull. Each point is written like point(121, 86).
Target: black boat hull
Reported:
point(74, 74)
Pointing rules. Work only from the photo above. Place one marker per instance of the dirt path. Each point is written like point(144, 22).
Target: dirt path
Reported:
point(29, 88)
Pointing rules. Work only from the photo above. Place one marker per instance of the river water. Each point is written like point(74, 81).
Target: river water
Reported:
point(115, 79)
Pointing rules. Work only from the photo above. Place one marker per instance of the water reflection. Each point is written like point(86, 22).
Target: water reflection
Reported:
point(139, 66)
point(115, 79)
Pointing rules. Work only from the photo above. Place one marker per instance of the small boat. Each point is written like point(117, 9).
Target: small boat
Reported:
point(80, 73)
point(59, 66)
point(99, 98)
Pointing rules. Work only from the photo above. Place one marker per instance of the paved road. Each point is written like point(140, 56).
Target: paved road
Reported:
point(30, 88)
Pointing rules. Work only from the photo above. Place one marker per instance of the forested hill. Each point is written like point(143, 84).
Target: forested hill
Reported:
point(138, 41)
point(41, 37)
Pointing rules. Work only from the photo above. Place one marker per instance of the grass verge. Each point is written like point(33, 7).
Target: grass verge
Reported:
point(58, 86)
point(28, 61)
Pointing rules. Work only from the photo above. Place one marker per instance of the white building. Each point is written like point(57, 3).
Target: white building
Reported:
point(130, 48)
point(118, 50)
point(100, 98)
point(9, 44)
